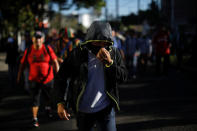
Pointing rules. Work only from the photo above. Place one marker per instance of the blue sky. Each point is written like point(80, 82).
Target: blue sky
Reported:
point(125, 7)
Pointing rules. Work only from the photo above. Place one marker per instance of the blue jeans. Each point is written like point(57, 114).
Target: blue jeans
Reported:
point(132, 62)
point(104, 120)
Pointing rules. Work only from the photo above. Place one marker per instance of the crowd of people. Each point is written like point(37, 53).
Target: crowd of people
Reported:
point(136, 49)
point(91, 65)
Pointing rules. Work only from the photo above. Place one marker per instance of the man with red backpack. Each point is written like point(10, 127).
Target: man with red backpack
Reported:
point(39, 58)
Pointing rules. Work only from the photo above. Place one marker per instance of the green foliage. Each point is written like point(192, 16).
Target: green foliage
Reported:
point(20, 14)
point(26, 19)
point(97, 4)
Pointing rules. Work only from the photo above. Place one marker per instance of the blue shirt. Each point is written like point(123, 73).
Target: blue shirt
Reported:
point(131, 46)
point(117, 43)
point(143, 45)
point(94, 97)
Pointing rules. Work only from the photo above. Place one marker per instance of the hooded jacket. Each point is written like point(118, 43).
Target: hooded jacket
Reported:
point(73, 74)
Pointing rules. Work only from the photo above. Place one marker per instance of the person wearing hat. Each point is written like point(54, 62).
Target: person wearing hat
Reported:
point(39, 59)
point(87, 80)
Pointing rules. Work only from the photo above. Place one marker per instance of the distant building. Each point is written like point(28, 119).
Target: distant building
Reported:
point(72, 20)
point(86, 19)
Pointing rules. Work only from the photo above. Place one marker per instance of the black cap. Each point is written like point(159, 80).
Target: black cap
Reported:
point(39, 34)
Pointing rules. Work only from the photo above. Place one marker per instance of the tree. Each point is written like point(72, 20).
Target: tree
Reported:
point(152, 15)
point(21, 14)
point(96, 4)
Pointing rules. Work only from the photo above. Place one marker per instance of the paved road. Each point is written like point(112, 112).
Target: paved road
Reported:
point(149, 103)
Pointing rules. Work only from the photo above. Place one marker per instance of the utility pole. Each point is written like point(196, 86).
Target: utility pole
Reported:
point(138, 5)
point(117, 9)
point(106, 11)
point(138, 10)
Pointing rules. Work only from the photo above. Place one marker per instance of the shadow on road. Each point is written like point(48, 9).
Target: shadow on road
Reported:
point(149, 103)
point(158, 102)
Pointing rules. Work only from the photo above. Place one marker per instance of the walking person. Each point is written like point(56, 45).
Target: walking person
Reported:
point(12, 55)
point(118, 43)
point(39, 58)
point(93, 71)
point(161, 43)
point(145, 52)
point(132, 54)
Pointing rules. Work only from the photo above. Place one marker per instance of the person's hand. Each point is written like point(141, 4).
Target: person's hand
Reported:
point(62, 112)
point(137, 53)
point(60, 60)
point(104, 56)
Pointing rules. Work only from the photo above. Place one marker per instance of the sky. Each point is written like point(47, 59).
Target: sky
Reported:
point(126, 7)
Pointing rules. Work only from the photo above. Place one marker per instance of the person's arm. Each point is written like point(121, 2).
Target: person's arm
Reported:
point(22, 66)
point(56, 65)
point(60, 86)
point(54, 59)
point(117, 69)
point(20, 70)
point(61, 81)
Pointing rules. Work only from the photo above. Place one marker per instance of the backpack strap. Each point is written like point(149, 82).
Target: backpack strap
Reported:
point(28, 51)
point(50, 63)
point(47, 48)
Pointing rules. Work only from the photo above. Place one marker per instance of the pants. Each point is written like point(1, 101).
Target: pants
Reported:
point(36, 89)
point(104, 120)
point(132, 62)
point(12, 72)
point(166, 63)
point(143, 62)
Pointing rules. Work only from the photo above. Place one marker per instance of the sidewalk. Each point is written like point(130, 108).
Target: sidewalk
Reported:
point(3, 75)
point(3, 66)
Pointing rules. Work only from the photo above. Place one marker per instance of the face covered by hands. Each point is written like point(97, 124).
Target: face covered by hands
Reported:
point(101, 52)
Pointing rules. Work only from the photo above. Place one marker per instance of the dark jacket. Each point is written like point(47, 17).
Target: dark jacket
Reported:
point(73, 74)
point(12, 53)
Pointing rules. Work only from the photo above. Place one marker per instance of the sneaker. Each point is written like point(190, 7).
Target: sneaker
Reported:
point(35, 123)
